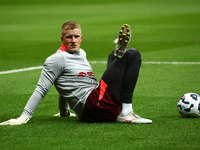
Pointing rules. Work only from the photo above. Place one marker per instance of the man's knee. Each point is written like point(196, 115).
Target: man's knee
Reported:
point(134, 54)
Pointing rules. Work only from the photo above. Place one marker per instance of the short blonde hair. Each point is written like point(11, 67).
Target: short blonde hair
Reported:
point(70, 25)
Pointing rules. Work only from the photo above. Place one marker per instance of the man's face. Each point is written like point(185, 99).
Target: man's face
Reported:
point(72, 39)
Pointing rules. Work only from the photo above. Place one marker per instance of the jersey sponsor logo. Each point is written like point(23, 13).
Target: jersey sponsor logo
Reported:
point(83, 74)
point(90, 73)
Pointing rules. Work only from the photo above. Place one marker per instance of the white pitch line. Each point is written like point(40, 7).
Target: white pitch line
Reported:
point(155, 62)
point(103, 62)
point(97, 62)
point(171, 63)
point(20, 70)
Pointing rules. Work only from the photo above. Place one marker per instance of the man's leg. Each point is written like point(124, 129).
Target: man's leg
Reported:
point(121, 77)
point(122, 74)
point(123, 88)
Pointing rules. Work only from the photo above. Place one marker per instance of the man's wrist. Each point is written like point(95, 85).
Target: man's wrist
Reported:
point(24, 118)
point(64, 113)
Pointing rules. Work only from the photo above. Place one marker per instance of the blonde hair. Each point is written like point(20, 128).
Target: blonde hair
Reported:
point(70, 25)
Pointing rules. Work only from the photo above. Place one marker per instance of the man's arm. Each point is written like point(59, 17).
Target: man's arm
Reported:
point(18, 121)
point(64, 108)
point(52, 68)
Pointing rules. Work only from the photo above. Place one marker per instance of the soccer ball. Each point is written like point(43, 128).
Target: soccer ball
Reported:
point(189, 105)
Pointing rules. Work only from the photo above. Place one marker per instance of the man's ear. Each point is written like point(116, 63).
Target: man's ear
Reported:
point(61, 37)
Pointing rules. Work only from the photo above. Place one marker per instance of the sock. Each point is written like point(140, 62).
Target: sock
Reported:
point(126, 108)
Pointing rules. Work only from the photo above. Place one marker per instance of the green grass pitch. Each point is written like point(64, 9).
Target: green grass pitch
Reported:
point(163, 31)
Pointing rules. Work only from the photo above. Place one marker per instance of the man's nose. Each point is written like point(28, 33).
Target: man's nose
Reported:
point(73, 39)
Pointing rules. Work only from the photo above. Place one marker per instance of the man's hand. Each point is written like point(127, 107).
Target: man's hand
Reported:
point(18, 121)
point(65, 114)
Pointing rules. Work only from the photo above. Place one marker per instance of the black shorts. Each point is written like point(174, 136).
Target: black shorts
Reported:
point(101, 105)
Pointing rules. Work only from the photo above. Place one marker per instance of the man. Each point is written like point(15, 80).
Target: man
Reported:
point(68, 69)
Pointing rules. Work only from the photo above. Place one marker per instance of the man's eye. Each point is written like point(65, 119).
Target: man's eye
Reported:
point(69, 37)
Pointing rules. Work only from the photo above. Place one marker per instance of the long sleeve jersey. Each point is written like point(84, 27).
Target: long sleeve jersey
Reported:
point(72, 76)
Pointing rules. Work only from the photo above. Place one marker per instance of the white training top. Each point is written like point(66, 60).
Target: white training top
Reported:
point(72, 76)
